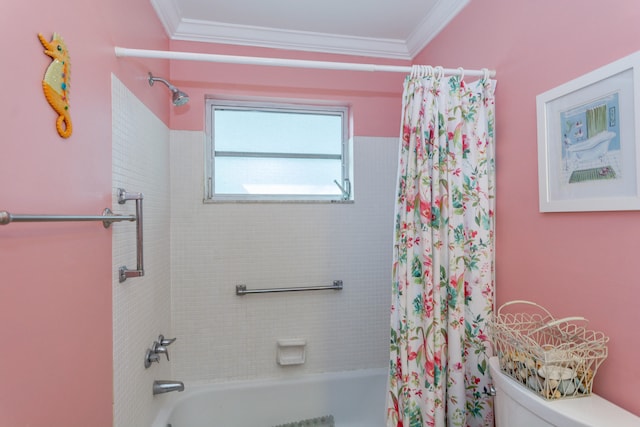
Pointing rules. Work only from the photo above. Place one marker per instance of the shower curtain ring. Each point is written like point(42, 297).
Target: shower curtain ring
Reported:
point(486, 74)
point(428, 70)
point(440, 72)
point(461, 71)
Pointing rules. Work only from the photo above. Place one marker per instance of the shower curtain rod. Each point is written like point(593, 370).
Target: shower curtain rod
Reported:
point(281, 62)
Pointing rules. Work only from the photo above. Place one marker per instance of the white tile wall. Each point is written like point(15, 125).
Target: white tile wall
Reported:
point(216, 246)
point(141, 306)
point(196, 253)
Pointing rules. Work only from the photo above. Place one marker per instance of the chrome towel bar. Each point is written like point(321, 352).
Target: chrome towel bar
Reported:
point(242, 289)
point(107, 219)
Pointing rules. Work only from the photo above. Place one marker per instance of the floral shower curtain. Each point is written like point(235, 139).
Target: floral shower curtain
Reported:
point(443, 266)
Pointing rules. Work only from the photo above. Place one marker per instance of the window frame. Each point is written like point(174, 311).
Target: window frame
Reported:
point(346, 165)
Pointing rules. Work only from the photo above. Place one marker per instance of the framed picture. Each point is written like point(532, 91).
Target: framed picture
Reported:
point(588, 151)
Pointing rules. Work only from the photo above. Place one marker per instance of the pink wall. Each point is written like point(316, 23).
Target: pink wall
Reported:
point(572, 263)
point(375, 98)
point(55, 285)
point(55, 291)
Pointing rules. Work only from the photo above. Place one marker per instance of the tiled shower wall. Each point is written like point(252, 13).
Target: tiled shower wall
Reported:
point(141, 305)
point(214, 247)
point(196, 253)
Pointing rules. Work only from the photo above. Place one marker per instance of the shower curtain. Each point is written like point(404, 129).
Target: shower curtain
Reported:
point(443, 265)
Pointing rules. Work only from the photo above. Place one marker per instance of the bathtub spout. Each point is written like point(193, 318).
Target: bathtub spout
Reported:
point(167, 386)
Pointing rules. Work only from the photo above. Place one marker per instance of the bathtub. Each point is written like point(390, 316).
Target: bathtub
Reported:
point(591, 149)
point(354, 398)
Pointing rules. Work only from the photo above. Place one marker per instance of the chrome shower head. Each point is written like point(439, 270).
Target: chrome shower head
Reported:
point(178, 97)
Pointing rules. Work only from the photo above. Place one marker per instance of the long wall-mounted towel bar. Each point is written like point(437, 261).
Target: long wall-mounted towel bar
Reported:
point(242, 289)
point(107, 219)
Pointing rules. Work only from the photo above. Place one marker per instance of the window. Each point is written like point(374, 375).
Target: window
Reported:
point(259, 151)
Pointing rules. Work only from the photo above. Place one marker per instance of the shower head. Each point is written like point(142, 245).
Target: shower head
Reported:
point(178, 97)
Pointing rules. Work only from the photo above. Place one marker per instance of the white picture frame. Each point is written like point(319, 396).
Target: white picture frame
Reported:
point(588, 151)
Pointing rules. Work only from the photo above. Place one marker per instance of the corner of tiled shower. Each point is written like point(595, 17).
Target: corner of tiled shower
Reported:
point(141, 305)
point(196, 253)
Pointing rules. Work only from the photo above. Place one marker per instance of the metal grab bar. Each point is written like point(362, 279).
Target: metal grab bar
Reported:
point(124, 272)
point(107, 219)
point(242, 289)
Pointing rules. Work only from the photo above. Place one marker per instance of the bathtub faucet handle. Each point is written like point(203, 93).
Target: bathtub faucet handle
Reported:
point(160, 349)
point(150, 357)
point(165, 341)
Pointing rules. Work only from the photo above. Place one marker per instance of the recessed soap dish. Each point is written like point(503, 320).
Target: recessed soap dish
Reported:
point(291, 352)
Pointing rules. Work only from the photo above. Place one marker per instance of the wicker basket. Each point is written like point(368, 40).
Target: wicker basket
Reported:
point(554, 358)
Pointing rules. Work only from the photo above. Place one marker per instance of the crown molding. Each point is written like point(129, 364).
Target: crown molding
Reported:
point(169, 14)
point(179, 28)
point(215, 32)
point(434, 22)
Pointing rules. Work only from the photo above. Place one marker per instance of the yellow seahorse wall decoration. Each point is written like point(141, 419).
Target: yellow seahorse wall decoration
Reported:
point(57, 82)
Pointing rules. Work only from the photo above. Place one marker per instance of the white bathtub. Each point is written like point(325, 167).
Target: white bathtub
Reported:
point(354, 398)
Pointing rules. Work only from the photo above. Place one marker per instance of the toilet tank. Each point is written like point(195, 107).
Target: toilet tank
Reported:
point(517, 406)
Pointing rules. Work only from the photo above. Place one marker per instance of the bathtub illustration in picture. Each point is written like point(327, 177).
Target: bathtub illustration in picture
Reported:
point(590, 141)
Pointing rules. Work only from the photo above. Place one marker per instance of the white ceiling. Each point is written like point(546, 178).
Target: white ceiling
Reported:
point(397, 29)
